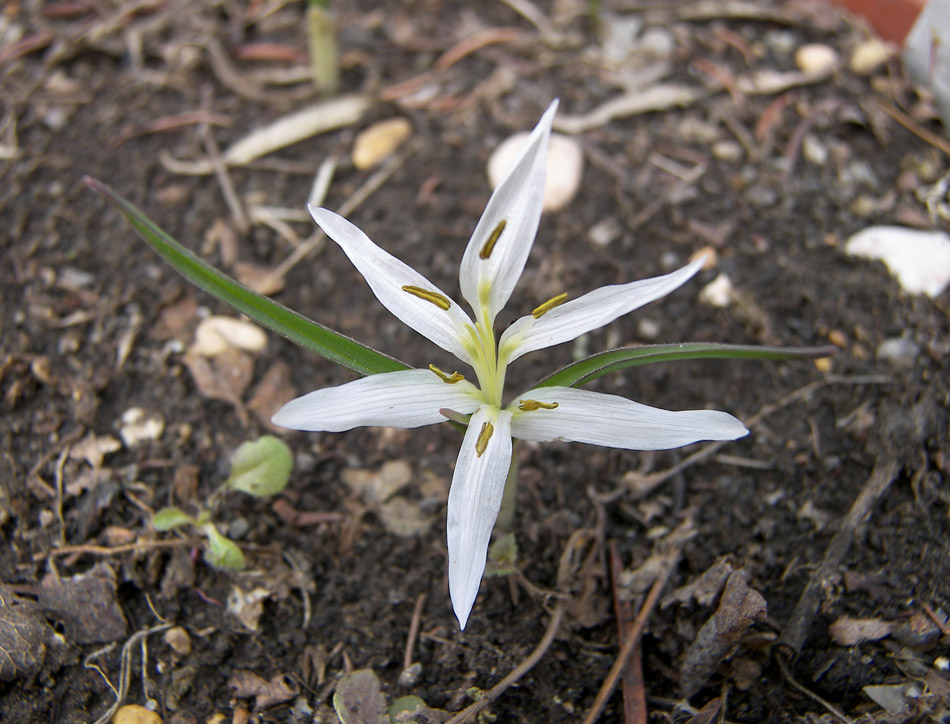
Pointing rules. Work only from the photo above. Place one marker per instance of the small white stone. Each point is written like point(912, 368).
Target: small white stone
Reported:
point(604, 231)
point(814, 150)
point(816, 58)
point(217, 334)
point(564, 170)
point(920, 260)
point(898, 351)
point(718, 293)
point(870, 55)
point(137, 427)
point(727, 150)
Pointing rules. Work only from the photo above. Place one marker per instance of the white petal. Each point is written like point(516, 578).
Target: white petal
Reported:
point(387, 276)
point(474, 500)
point(612, 421)
point(408, 398)
point(591, 311)
point(516, 201)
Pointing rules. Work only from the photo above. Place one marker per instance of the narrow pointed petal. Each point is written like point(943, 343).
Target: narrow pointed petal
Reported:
point(612, 421)
point(387, 276)
point(593, 310)
point(408, 398)
point(487, 280)
point(474, 500)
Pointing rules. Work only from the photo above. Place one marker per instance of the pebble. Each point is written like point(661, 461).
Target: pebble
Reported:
point(374, 144)
point(604, 231)
point(920, 260)
point(816, 58)
point(135, 714)
point(898, 351)
point(178, 640)
point(718, 293)
point(727, 150)
point(564, 170)
point(870, 55)
point(814, 150)
point(137, 427)
point(217, 334)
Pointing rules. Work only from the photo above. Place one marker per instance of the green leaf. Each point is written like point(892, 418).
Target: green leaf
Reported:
point(169, 518)
point(581, 372)
point(222, 552)
point(261, 468)
point(411, 709)
point(298, 329)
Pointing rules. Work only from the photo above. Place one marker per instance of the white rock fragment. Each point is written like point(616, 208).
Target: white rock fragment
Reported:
point(870, 55)
point(718, 293)
point(138, 427)
point(217, 334)
point(816, 59)
point(604, 231)
point(898, 351)
point(920, 260)
point(565, 167)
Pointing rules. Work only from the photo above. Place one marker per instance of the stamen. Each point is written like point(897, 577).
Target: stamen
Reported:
point(548, 305)
point(449, 379)
point(532, 405)
point(483, 437)
point(490, 244)
point(435, 298)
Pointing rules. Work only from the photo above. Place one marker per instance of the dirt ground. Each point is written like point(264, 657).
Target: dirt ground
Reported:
point(799, 574)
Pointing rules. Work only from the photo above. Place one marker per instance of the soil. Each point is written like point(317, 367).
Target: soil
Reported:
point(94, 326)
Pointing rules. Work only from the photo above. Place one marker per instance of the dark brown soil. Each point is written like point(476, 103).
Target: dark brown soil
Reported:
point(94, 324)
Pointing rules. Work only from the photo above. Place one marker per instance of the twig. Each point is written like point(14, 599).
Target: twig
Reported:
point(227, 186)
point(346, 208)
point(634, 694)
point(413, 631)
point(633, 638)
point(106, 551)
point(794, 635)
point(520, 670)
point(911, 125)
point(831, 708)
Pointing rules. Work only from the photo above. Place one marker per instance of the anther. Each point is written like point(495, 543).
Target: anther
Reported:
point(548, 305)
point(483, 437)
point(442, 302)
point(449, 379)
point(532, 405)
point(490, 244)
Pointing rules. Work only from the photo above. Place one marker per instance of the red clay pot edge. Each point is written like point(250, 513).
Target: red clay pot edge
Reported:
point(891, 19)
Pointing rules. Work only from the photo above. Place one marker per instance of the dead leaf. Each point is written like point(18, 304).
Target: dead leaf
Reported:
point(272, 392)
point(248, 607)
point(93, 448)
point(23, 637)
point(86, 604)
point(225, 377)
point(175, 319)
point(247, 685)
point(378, 487)
point(705, 589)
point(261, 279)
point(402, 518)
point(708, 713)
point(847, 631)
point(718, 639)
point(358, 699)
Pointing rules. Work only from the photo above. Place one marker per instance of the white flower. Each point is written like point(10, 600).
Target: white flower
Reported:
point(491, 266)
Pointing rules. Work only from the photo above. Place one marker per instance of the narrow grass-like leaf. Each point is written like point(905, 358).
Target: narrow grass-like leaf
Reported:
point(581, 372)
point(298, 329)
